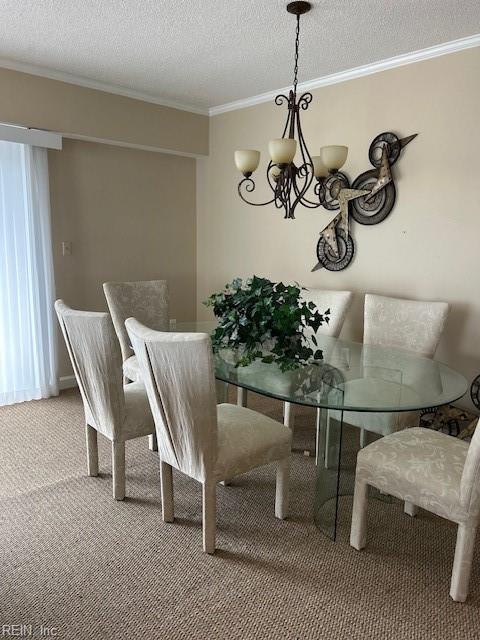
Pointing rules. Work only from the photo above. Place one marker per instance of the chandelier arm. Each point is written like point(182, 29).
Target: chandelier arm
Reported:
point(290, 122)
point(283, 190)
point(249, 185)
point(276, 186)
point(280, 202)
point(278, 196)
point(281, 98)
point(284, 193)
point(305, 100)
point(306, 170)
point(303, 147)
point(271, 182)
point(295, 185)
point(301, 191)
point(308, 204)
point(279, 191)
point(301, 197)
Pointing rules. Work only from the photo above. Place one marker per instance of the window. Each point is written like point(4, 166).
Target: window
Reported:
point(27, 329)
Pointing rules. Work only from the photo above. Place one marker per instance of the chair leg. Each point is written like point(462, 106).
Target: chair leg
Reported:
point(92, 450)
point(363, 438)
point(327, 437)
point(152, 442)
point(358, 531)
point(241, 397)
point(317, 435)
point(410, 509)
point(166, 483)
point(282, 489)
point(288, 414)
point(209, 515)
point(118, 469)
point(462, 562)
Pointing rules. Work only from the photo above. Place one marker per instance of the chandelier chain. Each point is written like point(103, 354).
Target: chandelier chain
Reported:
point(297, 44)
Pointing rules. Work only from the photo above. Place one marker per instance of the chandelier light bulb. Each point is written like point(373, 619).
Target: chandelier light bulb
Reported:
point(275, 173)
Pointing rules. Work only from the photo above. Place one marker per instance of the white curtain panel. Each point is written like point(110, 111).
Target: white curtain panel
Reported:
point(28, 361)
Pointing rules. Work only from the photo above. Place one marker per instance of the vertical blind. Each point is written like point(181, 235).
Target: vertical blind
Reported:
point(28, 368)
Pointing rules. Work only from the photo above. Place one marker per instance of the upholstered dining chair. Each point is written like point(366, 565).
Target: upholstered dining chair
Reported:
point(411, 325)
point(118, 412)
point(145, 300)
point(206, 441)
point(339, 303)
point(431, 470)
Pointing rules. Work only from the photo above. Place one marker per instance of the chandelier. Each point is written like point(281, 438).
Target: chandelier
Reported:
point(291, 183)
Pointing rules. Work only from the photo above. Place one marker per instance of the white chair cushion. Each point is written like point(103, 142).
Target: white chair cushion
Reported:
point(131, 369)
point(247, 439)
point(417, 465)
point(138, 416)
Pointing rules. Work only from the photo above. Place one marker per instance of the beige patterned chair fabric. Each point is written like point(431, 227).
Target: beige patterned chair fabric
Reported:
point(145, 300)
point(116, 412)
point(431, 470)
point(207, 442)
point(337, 301)
point(412, 325)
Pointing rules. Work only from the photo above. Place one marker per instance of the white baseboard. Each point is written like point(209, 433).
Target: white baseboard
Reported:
point(67, 382)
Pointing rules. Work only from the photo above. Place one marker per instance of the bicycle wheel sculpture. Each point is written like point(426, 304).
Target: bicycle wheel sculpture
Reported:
point(372, 197)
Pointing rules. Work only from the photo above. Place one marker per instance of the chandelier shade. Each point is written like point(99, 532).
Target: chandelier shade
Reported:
point(247, 160)
point(334, 157)
point(282, 150)
point(319, 169)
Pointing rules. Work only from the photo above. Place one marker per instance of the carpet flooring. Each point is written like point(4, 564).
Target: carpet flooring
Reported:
point(86, 567)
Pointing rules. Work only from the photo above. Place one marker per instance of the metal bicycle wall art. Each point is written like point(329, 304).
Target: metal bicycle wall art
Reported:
point(368, 200)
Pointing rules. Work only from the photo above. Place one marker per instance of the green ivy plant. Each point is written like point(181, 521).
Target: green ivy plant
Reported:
point(266, 320)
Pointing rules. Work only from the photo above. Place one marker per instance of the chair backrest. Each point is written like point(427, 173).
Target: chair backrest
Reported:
point(177, 370)
point(337, 301)
point(470, 484)
point(413, 325)
point(97, 363)
point(145, 300)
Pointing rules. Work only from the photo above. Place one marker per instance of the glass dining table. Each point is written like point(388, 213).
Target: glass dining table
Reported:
point(375, 386)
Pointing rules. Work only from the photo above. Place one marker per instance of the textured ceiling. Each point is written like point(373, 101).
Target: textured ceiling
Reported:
point(208, 52)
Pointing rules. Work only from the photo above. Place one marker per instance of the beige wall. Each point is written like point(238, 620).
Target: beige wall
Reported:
point(427, 248)
point(130, 215)
point(42, 103)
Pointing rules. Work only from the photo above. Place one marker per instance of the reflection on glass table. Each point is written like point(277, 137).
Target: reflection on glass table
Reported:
point(352, 377)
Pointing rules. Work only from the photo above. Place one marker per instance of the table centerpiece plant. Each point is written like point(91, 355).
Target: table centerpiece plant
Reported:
point(260, 319)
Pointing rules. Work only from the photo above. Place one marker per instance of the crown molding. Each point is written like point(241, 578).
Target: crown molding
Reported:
point(80, 81)
point(357, 72)
point(334, 78)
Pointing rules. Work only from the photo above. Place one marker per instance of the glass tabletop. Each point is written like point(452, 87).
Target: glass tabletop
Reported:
point(351, 377)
